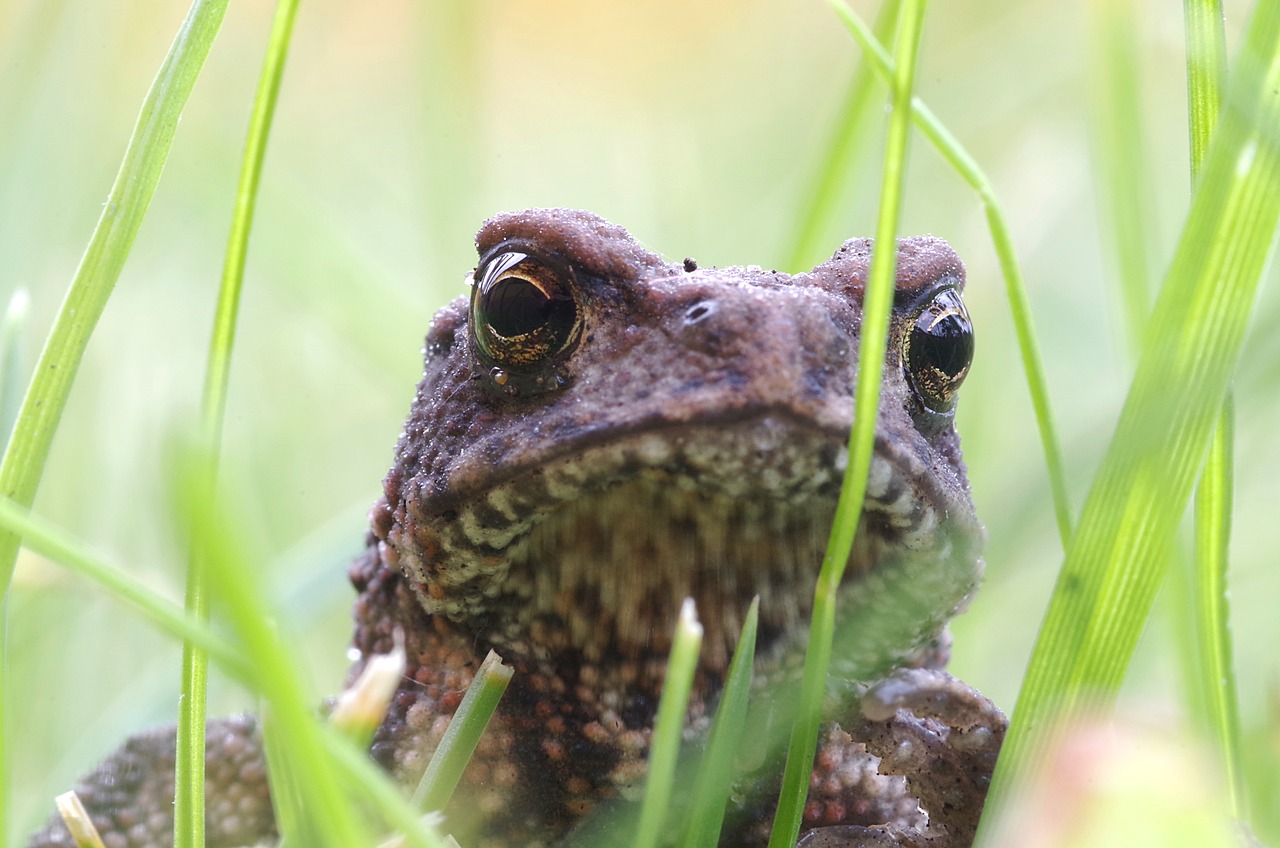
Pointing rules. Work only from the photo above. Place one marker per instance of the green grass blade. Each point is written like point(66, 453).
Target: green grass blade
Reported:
point(715, 775)
point(12, 328)
point(450, 758)
point(57, 546)
point(668, 727)
point(877, 300)
point(102, 262)
point(1206, 72)
point(1115, 562)
point(1121, 152)
point(360, 772)
point(224, 328)
point(130, 196)
point(842, 150)
point(1206, 79)
point(1015, 288)
point(1213, 532)
point(188, 820)
point(328, 817)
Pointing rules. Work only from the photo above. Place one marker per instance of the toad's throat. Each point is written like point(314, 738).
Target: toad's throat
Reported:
point(603, 578)
point(590, 556)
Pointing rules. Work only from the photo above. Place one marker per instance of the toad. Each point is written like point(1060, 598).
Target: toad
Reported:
point(600, 434)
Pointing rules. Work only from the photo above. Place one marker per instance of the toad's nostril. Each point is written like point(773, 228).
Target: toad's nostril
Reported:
point(699, 311)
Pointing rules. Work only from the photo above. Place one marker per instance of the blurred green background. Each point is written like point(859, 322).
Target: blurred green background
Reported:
point(698, 126)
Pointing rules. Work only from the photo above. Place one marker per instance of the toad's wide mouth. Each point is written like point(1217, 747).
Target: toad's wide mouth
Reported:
point(590, 554)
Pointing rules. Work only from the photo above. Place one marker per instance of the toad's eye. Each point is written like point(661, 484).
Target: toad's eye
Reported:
point(938, 349)
point(524, 313)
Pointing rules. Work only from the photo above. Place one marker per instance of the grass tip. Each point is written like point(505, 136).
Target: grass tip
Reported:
point(77, 821)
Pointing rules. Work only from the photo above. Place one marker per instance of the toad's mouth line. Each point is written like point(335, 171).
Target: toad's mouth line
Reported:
point(592, 552)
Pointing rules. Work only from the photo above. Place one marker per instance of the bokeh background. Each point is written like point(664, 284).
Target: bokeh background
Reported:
point(699, 126)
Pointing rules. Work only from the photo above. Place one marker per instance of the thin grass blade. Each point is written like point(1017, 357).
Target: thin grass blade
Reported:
point(463, 734)
point(1015, 288)
point(1116, 560)
point(57, 546)
point(668, 727)
point(328, 817)
point(842, 152)
point(715, 775)
point(188, 819)
point(1124, 188)
point(1213, 633)
point(12, 329)
point(1206, 79)
point(127, 202)
point(877, 300)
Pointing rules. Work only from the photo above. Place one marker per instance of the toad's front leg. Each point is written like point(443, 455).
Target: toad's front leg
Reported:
point(940, 735)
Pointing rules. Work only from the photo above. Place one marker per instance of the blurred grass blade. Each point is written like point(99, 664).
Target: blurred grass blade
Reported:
point(668, 727)
point(459, 742)
point(328, 817)
point(1206, 73)
point(360, 773)
point(1015, 289)
point(77, 820)
point(1213, 634)
point(715, 775)
point(1206, 79)
point(12, 329)
point(363, 705)
point(1124, 188)
point(877, 301)
point(56, 545)
point(1115, 562)
point(842, 151)
point(103, 260)
point(109, 246)
point(188, 819)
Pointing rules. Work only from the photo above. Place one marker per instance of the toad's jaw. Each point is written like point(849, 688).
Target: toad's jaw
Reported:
point(591, 553)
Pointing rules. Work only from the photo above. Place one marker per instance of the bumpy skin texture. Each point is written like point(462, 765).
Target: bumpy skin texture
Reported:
point(688, 441)
point(130, 796)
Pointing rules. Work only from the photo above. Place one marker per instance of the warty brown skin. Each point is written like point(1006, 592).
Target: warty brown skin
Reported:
point(688, 441)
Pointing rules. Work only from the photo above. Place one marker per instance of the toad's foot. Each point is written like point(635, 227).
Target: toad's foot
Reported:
point(129, 796)
point(936, 732)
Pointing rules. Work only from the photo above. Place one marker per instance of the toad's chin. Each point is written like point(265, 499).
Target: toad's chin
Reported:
point(591, 555)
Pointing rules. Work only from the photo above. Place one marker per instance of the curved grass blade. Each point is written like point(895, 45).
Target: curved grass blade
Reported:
point(56, 545)
point(102, 262)
point(1015, 288)
point(877, 300)
point(1115, 562)
point(188, 819)
point(1121, 151)
point(130, 196)
point(842, 149)
point(1206, 79)
point(325, 815)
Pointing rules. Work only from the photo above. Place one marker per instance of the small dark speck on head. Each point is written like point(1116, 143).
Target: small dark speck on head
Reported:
point(690, 265)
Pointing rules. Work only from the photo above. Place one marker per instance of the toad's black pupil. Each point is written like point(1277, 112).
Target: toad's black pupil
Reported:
point(944, 344)
point(515, 307)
